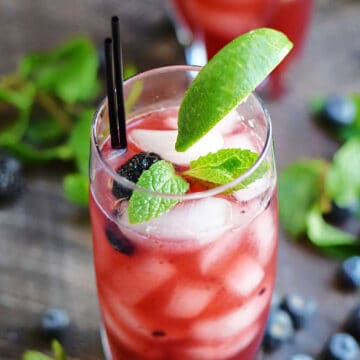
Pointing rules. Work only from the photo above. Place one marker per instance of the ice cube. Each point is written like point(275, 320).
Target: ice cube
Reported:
point(218, 254)
point(221, 350)
point(263, 234)
point(244, 276)
point(162, 142)
point(121, 314)
point(229, 122)
point(240, 141)
point(233, 322)
point(255, 189)
point(133, 282)
point(188, 224)
point(171, 122)
point(117, 331)
point(189, 299)
point(129, 340)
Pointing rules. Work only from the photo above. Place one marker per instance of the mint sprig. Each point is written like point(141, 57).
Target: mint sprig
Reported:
point(57, 349)
point(306, 190)
point(46, 112)
point(343, 179)
point(160, 177)
point(300, 187)
point(225, 166)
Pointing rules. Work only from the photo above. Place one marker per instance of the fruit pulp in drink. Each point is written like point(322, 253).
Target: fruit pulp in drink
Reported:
point(196, 282)
point(217, 22)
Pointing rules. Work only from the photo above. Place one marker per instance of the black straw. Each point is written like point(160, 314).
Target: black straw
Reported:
point(118, 70)
point(115, 88)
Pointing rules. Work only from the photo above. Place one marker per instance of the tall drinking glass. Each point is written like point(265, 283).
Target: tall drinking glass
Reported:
point(195, 282)
point(205, 26)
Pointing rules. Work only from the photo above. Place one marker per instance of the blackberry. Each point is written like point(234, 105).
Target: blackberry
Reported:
point(11, 181)
point(54, 322)
point(118, 240)
point(131, 171)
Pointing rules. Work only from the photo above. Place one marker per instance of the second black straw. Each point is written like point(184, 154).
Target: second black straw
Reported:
point(114, 80)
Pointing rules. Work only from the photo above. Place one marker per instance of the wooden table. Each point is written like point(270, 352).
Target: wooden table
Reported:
point(45, 242)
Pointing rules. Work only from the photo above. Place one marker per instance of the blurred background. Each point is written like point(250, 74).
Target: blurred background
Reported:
point(45, 239)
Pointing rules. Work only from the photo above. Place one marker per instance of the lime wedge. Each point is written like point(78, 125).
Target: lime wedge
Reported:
point(228, 78)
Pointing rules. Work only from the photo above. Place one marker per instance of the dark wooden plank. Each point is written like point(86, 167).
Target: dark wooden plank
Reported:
point(45, 242)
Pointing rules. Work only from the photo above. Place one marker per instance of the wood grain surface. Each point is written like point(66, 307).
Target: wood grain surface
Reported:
point(45, 242)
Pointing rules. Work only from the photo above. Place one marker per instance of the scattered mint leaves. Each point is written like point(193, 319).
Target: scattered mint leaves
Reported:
point(343, 178)
point(160, 177)
point(299, 188)
point(225, 166)
point(69, 72)
point(306, 190)
point(35, 355)
point(58, 351)
point(32, 155)
point(76, 188)
point(323, 234)
point(16, 98)
point(44, 107)
point(79, 141)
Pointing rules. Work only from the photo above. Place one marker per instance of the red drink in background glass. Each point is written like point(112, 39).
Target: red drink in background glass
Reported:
point(217, 22)
point(196, 282)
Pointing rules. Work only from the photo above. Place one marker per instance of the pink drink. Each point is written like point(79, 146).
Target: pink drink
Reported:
point(217, 22)
point(196, 282)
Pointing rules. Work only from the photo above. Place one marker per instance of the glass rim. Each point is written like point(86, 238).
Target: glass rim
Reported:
point(190, 196)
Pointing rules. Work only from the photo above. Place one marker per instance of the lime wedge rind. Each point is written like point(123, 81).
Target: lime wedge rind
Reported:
point(227, 79)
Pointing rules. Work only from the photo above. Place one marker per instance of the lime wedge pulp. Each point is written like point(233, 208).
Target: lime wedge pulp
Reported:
point(227, 79)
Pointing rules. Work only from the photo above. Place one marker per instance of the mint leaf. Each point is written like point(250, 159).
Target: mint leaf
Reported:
point(20, 100)
point(43, 131)
point(299, 187)
point(160, 177)
point(225, 166)
point(70, 71)
point(59, 353)
point(76, 188)
point(35, 355)
point(79, 141)
point(32, 155)
point(343, 178)
point(323, 234)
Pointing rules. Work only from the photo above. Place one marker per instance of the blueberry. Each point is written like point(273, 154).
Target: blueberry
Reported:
point(279, 329)
point(300, 357)
point(339, 110)
point(54, 322)
point(299, 309)
point(118, 240)
point(349, 272)
point(353, 323)
point(132, 170)
point(342, 346)
point(11, 181)
point(339, 214)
